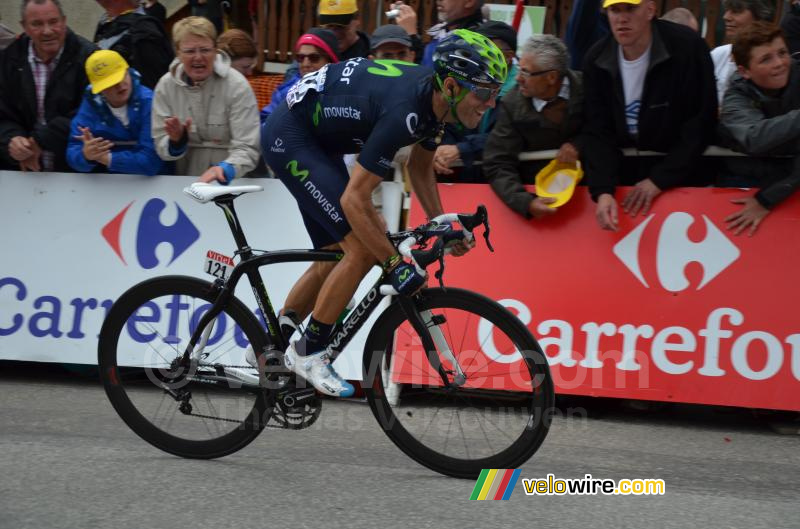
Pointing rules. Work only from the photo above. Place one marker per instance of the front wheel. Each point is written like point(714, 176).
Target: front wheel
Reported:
point(496, 409)
point(211, 408)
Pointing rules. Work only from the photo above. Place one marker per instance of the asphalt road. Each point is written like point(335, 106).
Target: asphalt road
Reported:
point(67, 461)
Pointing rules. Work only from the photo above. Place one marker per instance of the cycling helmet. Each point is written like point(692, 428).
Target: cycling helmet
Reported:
point(469, 56)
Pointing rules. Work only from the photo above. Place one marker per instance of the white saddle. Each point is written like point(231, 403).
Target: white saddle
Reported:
point(203, 192)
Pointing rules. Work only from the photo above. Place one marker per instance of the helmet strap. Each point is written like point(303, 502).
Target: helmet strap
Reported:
point(453, 101)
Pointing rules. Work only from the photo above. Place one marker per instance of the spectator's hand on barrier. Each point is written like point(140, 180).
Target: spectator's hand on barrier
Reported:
point(640, 198)
point(750, 216)
point(567, 154)
point(32, 162)
point(213, 173)
point(443, 157)
point(459, 248)
point(607, 213)
point(538, 207)
point(175, 129)
point(20, 148)
point(406, 18)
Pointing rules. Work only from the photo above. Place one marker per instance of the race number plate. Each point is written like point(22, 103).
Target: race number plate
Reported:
point(218, 265)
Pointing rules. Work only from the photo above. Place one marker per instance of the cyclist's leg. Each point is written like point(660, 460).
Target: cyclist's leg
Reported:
point(303, 296)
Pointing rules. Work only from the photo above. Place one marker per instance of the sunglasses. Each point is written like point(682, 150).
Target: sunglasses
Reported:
point(484, 93)
point(312, 57)
point(525, 73)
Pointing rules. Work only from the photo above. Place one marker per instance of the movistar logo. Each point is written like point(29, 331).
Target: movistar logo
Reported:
point(404, 274)
point(317, 112)
point(301, 175)
point(388, 68)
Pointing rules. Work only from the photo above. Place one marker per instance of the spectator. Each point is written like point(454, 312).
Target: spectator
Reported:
point(391, 42)
point(665, 66)
point(111, 132)
point(155, 9)
point(204, 112)
point(210, 9)
point(738, 15)
point(241, 48)
point(544, 111)
point(453, 15)
point(407, 19)
point(342, 18)
point(41, 84)
point(791, 26)
point(760, 114)
point(587, 25)
point(466, 145)
point(681, 15)
point(139, 38)
point(313, 50)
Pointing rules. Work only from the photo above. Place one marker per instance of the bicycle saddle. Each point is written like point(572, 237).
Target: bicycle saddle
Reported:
point(203, 192)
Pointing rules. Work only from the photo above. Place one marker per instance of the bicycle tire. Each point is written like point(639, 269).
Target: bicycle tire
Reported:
point(135, 384)
point(391, 356)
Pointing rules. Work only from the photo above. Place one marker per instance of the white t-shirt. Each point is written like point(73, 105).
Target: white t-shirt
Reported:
point(633, 74)
point(723, 68)
point(121, 113)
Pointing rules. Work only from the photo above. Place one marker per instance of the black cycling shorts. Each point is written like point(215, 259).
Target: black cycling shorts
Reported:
point(315, 179)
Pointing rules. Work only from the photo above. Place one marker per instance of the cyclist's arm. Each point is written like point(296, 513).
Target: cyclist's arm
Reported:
point(423, 180)
point(367, 223)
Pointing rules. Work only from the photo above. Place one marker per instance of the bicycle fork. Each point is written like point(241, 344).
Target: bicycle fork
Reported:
point(428, 326)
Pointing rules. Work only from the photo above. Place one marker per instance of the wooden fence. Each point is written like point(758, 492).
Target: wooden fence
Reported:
point(281, 22)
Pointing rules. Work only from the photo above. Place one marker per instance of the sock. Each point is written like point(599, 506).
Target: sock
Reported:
point(315, 338)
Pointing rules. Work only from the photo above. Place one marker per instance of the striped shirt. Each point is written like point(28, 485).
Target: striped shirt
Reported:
point(42, 71)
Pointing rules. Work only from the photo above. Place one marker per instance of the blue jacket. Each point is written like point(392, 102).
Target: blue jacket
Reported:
point(133, 150)
point(278, 97)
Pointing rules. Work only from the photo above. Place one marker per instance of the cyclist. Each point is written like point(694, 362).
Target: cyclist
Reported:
point(372, 108)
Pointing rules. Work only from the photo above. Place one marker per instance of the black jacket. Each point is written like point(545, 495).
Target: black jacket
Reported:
point(359, 48)
point(520, 128)
point(62, 98)
point(141, 40)
point(677, 116)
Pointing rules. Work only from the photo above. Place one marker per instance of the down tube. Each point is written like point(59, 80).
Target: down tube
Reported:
point(344, 332)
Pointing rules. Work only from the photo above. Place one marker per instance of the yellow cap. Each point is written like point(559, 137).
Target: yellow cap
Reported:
point(105, 68)
point(558, 180)
point(607, 3)
point(337, 7)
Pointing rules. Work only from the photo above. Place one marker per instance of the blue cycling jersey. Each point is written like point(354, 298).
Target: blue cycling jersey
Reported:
point(369, 107)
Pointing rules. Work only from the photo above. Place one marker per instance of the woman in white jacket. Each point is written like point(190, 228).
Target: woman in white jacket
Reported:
point(205, 115)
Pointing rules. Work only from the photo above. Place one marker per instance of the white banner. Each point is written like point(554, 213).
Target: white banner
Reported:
point(72, 243)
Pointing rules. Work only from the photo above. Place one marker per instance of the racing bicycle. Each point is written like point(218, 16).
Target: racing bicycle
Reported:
point(453, 378)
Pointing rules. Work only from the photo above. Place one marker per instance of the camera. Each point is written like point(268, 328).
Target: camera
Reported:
point(392, 13)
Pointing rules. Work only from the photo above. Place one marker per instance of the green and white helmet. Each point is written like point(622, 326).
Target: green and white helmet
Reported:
point(469, 56)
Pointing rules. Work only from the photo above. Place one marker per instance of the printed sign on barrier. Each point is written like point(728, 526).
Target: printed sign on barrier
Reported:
point(672, 307)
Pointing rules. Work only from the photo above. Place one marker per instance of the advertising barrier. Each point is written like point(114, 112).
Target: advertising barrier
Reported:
point(72, 243)
point(672, 307)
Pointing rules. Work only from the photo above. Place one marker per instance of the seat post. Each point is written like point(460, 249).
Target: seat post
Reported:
point(226, 204)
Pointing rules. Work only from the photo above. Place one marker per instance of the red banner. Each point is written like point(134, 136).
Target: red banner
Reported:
point(672, 307)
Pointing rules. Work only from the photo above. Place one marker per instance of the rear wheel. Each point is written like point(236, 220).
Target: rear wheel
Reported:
point(209, 409)
point(500, 413)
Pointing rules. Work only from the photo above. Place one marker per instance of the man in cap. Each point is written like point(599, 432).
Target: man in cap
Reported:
point(41, 84)
point(391, 42)
point(650, 86)
point(111, 132)
point(341, 17)
point(544, 111)
point(453, 15)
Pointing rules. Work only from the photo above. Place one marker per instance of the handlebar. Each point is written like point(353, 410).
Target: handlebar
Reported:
point(441, 228)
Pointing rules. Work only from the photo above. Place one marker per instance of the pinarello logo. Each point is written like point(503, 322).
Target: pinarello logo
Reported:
point(150, 232)
point(674, 250)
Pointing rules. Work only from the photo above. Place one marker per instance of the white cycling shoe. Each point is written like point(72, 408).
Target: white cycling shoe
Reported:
point(317, 369)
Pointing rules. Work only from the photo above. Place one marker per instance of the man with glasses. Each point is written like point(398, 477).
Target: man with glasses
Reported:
point(370, 108)
point(650, 86)
point(41, 87)
point(544, 111)
point(341, 17)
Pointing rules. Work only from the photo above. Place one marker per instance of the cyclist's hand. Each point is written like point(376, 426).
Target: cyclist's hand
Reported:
point(405, 279)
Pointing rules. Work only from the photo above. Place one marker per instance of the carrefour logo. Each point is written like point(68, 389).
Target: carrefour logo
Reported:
point(151, 232)
point(675, 250)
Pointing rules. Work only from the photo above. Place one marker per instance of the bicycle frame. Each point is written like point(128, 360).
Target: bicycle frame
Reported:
point(342, 333)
